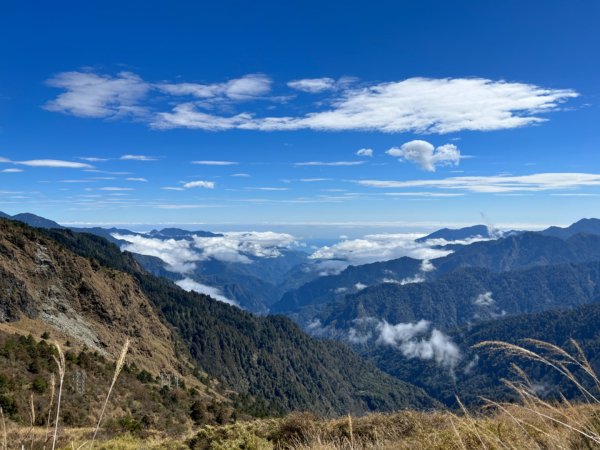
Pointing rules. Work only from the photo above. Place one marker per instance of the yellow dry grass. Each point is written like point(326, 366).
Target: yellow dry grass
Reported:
point(531, 423)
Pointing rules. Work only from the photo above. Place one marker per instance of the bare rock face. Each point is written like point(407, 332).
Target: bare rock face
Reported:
point(47, 287)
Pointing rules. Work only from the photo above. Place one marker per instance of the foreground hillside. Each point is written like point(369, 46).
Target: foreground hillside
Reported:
point(29, 382)
point(507, 427)
point(84, 287)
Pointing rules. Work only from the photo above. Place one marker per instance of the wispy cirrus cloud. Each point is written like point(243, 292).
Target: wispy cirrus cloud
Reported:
point(414, 105)
point(313, 85)
point(87, 94)
point(215, 163)
point(51, 163)
point(247, 87)
point(330, 163)
point(115, 189)
point(320, 85)
point(497, 183)
point(138, 158)
point(93, 159)
point(269, 188)
point(423, 105)
point(424, 194)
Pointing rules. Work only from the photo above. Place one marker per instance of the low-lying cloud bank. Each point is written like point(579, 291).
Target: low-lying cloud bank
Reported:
point(187, 284)
point(413, 339)
point(382, 247)
point(181, 255)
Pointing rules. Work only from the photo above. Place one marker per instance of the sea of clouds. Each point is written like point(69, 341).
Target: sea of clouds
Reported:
point(182, 255)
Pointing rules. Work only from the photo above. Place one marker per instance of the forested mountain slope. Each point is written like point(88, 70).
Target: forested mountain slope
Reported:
point(515, 252)
point(470, 295)
point(269, 359)
point(479, 371)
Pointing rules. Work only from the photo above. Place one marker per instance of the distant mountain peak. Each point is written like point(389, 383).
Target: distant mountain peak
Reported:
point(180, 233)
point(450, 234)
point(586, 225)
point(35, 221)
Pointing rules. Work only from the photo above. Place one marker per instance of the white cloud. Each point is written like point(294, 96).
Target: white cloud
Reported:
point(497, 183)
point(11, 170)
point(269, 188)
point(313, 85)
point(360, 286)
point(330, 163)
point(365, 152)
point(187, 284)
point(143, 180)
point(241, 175)
point(426, 155)
point(199, 183)
point(376, 247)
point(90, 95)
point(115, 189)
point(245, 88)
point(138, 158)
point(422, 105)
point(484, 299)
point(383, 247)
point(93, 159)
point(215, 163)
point(427, 266)
point(177, 254)
point(412, 340)
point(418, 278)
point(423, 194)
point(240, 246)
point(236, 247)
point(51, 163)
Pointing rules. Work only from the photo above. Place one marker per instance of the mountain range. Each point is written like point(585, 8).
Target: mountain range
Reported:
point(404, 327)
point(83, 287)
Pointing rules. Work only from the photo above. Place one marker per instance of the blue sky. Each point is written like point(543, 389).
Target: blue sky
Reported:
point(254, 112)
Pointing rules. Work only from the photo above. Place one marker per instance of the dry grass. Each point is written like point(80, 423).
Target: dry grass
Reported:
point(508, 427)
point(38, 437)
point(532, 423)
point(118, 368)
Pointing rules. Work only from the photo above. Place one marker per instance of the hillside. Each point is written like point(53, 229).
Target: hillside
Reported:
point(139, 401)
point(269, 360)
point(49, 288)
